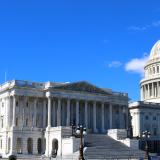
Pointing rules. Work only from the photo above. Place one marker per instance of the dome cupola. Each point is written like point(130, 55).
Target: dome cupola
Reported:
point(155, 51)
point(150, 84)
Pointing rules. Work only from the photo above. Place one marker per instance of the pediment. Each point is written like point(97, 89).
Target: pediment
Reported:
point(82, 86)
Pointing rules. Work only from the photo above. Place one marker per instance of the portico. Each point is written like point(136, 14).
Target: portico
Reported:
point(95, 115)
point(34, 114)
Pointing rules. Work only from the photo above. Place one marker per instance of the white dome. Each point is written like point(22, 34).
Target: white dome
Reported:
point(155, 51)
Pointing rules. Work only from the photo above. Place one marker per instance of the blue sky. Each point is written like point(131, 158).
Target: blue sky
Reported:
point(104, 42)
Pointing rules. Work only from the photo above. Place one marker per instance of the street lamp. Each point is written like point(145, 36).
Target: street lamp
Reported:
point(146, 135)
point(81, 131)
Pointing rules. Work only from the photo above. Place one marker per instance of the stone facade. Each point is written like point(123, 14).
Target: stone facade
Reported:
point(150, 84)
point(145, 114)
point(34, 115)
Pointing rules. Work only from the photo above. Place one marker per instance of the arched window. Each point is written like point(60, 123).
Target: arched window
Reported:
point(54, 147)
point(146, 117)
point(39, 145)
point(1, 143)
point(157, 69)
point(19, 145)
point(154, 131)
point(16, 121)
point(150, 71)
point(44, 145)
point(27, 122)
point(9, 144)
point(30, 145)
point(153, 70)
point(16, 103)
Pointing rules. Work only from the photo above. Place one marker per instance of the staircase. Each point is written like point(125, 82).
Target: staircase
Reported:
point(99, 146)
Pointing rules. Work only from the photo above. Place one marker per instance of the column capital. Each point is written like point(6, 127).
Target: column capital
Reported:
point(48, 94)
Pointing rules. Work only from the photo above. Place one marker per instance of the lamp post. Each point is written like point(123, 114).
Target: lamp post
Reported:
point(73, 129)
point(81, 131)
point(146, 135)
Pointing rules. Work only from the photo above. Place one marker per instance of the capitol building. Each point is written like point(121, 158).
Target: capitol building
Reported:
point(146, 112)
point(38, 118)
point(34, 116)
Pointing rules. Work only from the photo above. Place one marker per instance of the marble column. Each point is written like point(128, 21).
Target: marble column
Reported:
point(54, 114)
point(14, 111)
point(34, 113)
point(77, 112)
point(141, 93)
point(144, 92)
point(148, 92)
point(86, 114)
point(49, 112)
point(94, 118)
point(59, 113)
point(138, 124)
point(44, 113)
point(8, 112)
point(68, 112)
point(152, 90)
point(102, 112)
point(110, 116)
point(157, 89)
point(155, 92)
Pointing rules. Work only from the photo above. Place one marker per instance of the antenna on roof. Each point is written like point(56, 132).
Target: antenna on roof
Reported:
point(5, 76)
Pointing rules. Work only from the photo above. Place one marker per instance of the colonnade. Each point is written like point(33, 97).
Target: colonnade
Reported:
point(96, 115)
point(86, 113)
point(150, 90)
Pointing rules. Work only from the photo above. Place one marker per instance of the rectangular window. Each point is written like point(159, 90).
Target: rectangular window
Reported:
point(16, 121)
point(1, 122)
point(27, 122)
point(16, 103)
point(1, 143)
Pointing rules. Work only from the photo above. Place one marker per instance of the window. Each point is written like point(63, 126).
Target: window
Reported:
point(27, 122)
point(1, 143)
point(150, 71)
point(27, 104)
point(117, 111)
point(1, 122)
point(9, 144)
point(2, 104)
point(19, 145)
point(157, 69)
point(17, 121)
point(16, 103)
point(155, 131)
point(154, 118)
point(147, 117)
point(153, 70)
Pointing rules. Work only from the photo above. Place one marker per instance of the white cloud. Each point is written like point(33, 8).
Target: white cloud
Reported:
point(156, 24)
point(136, 65)
point(145, 27)
point(114, 64)
point(138, 28)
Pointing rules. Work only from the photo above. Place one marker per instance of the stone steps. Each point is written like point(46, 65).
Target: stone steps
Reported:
point(99, 146)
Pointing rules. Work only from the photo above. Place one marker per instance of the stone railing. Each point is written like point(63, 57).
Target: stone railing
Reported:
point(21, 83)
